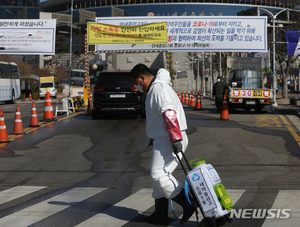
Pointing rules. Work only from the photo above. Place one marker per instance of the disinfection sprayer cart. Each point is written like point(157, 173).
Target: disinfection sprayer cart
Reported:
point(207, 191)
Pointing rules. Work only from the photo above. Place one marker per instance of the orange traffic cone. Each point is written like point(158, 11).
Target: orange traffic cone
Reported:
point(34, 121)
point(3, 131)
point(18, 126)
point(30, 98)
point(186, 98)
point(24, 97)
point(182, 97)
point(224, 112)
point(48, 113)
point(192, 103)
point(179, 96)
point(198, 104)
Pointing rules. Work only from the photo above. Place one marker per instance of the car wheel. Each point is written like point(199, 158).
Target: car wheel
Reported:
point(95, 115)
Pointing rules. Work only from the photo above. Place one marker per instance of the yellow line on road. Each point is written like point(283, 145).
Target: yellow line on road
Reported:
point(290, 128)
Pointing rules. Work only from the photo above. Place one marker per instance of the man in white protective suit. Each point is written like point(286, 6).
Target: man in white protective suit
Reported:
point(166, 126)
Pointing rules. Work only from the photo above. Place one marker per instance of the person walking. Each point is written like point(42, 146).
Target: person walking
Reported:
point(218, 93)
point(166, 127)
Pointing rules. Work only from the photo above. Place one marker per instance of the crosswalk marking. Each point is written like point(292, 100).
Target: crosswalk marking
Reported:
point(234, 194)
point(122, 212)
point(48, 207)
point(17, 192)
point(285, 199)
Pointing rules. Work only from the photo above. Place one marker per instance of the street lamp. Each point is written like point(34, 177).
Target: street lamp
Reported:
point(203, 79)
point(94, 66)
point(176, 66)
point(70, 66)
point(192, 61)
point(274, 69)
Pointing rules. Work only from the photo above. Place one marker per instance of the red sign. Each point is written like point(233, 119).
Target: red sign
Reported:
point(266, 94)
point(236, 93)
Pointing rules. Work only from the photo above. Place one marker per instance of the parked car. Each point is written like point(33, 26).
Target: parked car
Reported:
point(114, 92)
point(45, 87)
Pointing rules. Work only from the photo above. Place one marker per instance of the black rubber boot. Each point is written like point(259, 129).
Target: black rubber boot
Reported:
point(208, 222)
point(160, 214)
point(188, 209)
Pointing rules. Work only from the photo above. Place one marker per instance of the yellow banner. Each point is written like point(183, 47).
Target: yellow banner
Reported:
point(46, 78)
point(114, 34)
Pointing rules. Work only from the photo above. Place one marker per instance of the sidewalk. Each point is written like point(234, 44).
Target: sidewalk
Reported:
point(291, 105)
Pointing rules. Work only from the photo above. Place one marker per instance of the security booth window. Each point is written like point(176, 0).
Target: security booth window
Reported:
point(248, 78)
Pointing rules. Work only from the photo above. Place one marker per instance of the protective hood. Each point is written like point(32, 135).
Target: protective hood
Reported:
point(162, 76)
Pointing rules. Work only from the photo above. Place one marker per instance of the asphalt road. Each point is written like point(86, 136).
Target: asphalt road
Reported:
point(69, 172)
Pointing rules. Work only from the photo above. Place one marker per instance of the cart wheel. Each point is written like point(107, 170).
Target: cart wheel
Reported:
point(208, 222)
point(221, 221)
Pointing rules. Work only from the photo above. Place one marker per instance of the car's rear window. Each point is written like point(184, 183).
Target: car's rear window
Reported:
point(113, 78)
point(43, 85)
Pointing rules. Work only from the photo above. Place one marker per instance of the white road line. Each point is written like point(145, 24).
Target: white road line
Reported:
point(234, 194)
point(286, 199)
point(17, 192)
point(48, 207)
point(122, 212)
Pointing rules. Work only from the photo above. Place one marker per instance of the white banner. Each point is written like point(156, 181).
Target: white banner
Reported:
point(206, 73)
point(243, 63)
point(26, 36)
point(201, 34)
point(265, 60)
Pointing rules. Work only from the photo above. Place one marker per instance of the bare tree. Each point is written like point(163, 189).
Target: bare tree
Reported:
point(285, 62)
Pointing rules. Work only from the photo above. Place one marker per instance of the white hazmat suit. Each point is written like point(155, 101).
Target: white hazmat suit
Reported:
point(161, 98)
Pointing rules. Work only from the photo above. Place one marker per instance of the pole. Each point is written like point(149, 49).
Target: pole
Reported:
point(176, 66)
point(198, 75)
point(71, 44)
point(203, 93)
point(211, 74)
point(192, 74)
point(274, 68)
point(220, 64)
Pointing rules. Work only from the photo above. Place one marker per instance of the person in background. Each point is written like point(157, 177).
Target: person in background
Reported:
point(219, 92)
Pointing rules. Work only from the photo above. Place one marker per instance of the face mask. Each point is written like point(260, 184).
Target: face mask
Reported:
point(140, 83)
point(218, 80)
point(139, 87)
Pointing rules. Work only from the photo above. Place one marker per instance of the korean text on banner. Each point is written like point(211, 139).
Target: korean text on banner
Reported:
point(115, 34)
point(198, 33)
point(244, 63)
point(27, 36)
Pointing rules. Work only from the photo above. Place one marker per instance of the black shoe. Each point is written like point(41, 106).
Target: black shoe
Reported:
point(188, 209)
point(208, 222)
point(160, 214)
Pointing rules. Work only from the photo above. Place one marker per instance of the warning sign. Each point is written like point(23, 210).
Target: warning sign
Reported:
point(115, 34)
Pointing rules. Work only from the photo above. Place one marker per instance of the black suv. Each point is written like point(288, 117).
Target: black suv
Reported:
point(114, 92)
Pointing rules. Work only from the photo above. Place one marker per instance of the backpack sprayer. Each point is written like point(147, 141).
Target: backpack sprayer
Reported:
point(207, 192)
